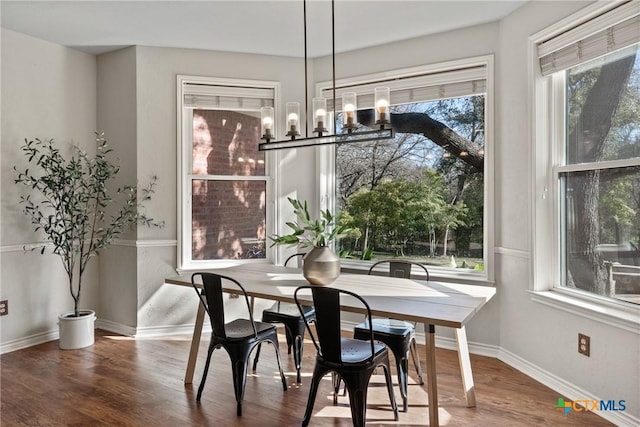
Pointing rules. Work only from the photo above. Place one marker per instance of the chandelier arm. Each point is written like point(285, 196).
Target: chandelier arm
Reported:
point(306, 86)
point(383, 132)
point(333, 57)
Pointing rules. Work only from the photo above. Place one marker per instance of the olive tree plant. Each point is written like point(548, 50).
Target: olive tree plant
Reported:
point(71, 202)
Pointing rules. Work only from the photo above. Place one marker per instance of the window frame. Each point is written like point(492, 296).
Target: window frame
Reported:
point(547, 95)
point(326, 165)
point(184, 176)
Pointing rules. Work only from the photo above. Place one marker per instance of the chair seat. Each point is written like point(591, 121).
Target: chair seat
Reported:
point(388, 327)
point(286, 310)
point(241, 329)
point(356, 351)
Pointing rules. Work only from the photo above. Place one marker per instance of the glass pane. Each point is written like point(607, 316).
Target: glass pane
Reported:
point(602, 232)
point(418, 197)
point(228, 219)
point(603, 108)
point(226, 143)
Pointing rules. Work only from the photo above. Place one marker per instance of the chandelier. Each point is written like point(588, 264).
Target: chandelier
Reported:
point(351, 131)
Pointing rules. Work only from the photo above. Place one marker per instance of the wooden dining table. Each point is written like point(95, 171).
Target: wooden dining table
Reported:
point(431, 303)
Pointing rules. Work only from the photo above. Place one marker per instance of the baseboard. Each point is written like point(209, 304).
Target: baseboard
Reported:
point(106, 325)
point(149, 331)
point(155, 331)
point(54, 334)
point(116, 328)
point(474, 347)
point(565, 388)
point(29, 341)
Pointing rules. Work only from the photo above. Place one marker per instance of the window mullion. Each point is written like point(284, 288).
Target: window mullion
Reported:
point(609, 164)
point(195, 177)
point(559, 131)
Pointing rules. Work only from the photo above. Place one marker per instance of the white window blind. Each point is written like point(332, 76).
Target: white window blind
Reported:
point(202, 96)
point(612, 31)
point(428, 87)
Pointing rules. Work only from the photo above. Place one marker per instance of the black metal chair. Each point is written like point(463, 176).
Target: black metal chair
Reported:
point(288, 315)
point(238, 337)
point(398, 335)
point(353, 361)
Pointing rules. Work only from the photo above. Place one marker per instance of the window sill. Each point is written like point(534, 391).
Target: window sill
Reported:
point(600, 309)
point(214, 264)
point(464, 276)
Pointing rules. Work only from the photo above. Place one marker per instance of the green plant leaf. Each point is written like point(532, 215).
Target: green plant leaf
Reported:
point(72, 202)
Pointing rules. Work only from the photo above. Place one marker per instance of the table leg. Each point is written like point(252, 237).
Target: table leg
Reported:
point(195, 344)
point(465, 367)
point(432, 386)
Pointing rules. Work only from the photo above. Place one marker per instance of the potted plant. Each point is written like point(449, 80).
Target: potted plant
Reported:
point(79, 215)
point(320, 266)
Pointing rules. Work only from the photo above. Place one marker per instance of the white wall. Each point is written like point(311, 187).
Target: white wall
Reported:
point(162, 306)
point(47, 91)
point(117, 118)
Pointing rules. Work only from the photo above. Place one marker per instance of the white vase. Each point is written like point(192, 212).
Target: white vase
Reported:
point(321, 266)
point(76, 332)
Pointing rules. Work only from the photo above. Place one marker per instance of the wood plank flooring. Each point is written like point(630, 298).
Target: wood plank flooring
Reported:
point(121, 381)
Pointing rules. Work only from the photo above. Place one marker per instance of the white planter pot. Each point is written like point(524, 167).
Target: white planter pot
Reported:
point(76, 332)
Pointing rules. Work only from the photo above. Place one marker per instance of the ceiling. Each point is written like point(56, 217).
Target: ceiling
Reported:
point(269, 27)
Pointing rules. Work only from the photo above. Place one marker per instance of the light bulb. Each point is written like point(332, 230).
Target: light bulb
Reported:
point(349, 110)
point(293, 117)
point(382, 106)
point(319, 114)
point(267, 122)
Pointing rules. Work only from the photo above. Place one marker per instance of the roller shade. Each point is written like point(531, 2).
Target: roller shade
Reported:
point(202, 96)
point(610, 32)
point(428, 87)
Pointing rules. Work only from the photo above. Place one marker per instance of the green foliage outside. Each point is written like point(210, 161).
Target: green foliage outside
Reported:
point(398, 214)
point(409, 198)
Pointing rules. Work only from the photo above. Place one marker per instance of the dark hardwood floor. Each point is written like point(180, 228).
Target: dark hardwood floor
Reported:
point(121, 381)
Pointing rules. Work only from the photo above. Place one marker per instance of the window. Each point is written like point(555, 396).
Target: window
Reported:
point(590, 81)
point(420, 196)
point(224, 180)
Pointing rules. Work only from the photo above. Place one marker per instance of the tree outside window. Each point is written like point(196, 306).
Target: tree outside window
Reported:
point(600, 177)
point(419, 196)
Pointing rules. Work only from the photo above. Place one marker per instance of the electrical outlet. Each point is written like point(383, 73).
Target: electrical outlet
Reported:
point(4, 307)
point(584, 344)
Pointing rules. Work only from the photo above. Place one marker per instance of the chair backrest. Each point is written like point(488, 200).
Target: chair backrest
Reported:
point(326, 301)
point(299, 255)
point(400, 268)
point(210, 295)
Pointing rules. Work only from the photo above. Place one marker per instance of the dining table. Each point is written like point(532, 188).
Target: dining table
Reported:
point(431, 303)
